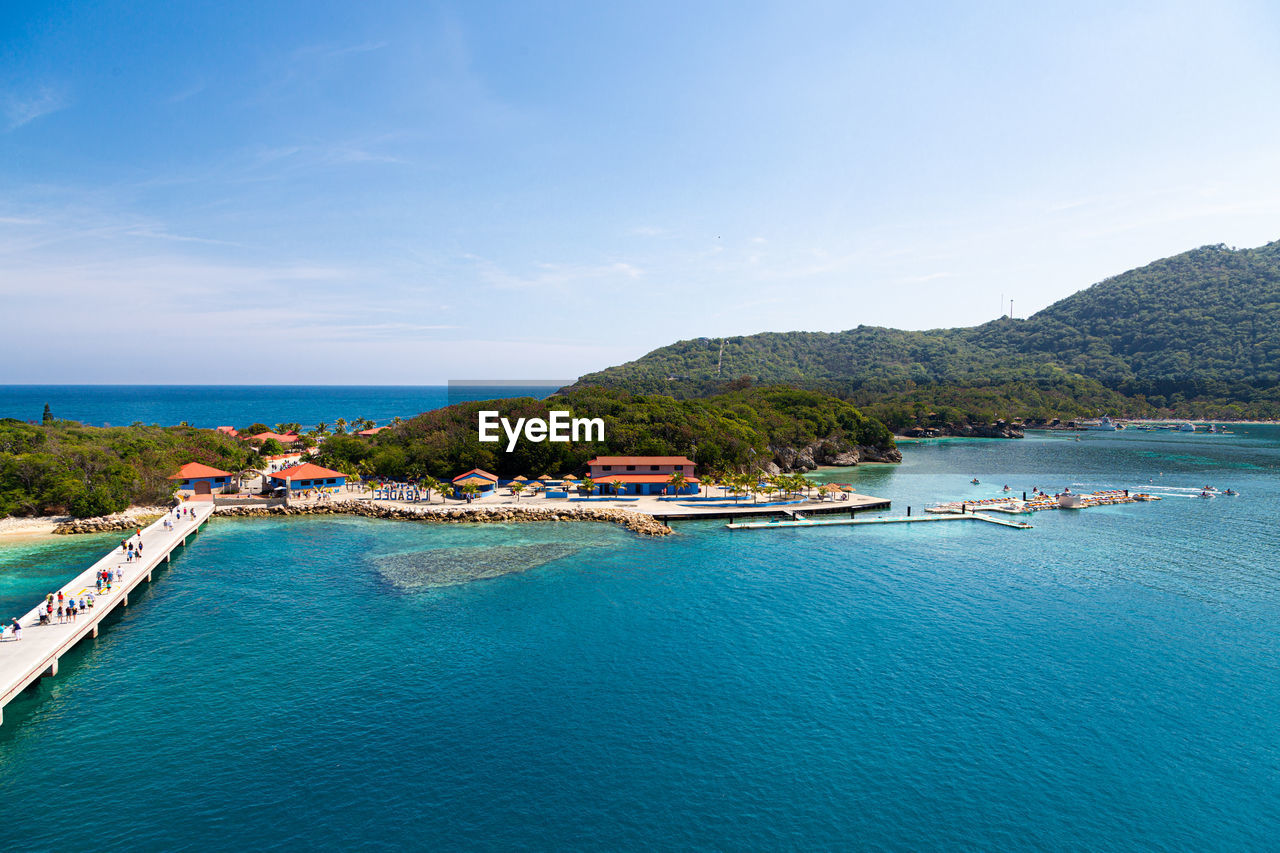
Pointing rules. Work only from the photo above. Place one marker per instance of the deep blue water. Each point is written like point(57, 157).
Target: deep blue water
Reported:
point(1106, 681)
point(211, 406)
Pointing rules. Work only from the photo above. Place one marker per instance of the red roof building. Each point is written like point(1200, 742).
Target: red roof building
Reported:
point(286, 438)
point(368, 433)
point(607, 467)
point(193, 470)
point(478, 473)
point(199, 479)
point(231, 431)
point(308, 475)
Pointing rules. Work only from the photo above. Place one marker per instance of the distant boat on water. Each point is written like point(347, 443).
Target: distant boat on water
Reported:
point(1103, 424)
point(1186, 427)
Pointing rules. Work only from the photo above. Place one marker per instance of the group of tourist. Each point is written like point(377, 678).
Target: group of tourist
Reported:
point(66, 608)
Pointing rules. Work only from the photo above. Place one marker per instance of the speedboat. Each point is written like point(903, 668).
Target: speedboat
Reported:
point(974, 481)
point(1207, 495)
point(1231, 492)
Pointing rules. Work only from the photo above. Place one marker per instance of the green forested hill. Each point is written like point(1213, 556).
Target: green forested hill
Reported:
point(1198, 333)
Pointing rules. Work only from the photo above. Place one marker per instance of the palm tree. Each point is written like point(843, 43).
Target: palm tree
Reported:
point(321, 429)
point(588, 484)
point(617, 487)
point(516, 489)
point(470, 490)
point(677, 481)
point(429, 484)
point(340, 426)
point(397, 420)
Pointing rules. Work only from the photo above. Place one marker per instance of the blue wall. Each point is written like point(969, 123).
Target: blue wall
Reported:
point(214, 482)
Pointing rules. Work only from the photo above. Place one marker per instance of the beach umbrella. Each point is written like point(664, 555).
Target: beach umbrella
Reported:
point(830, 487)
point(546, 477)
point(568, 478)
point(520, 479)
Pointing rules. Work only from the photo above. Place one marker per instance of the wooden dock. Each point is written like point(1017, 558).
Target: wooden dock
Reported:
point(24, 661)
point(901, 519)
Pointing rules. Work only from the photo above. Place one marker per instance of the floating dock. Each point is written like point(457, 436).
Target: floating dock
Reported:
point(901, 519)
point(36, 655)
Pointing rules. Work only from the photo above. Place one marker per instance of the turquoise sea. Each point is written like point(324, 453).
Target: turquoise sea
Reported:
point(1105, 681)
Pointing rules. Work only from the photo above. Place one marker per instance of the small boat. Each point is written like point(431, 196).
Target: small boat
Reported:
point(1186, 427)
point(1231, 492)
point(1103, 424)
point(1006, 489)
point(1207, 495)
point(974, 481)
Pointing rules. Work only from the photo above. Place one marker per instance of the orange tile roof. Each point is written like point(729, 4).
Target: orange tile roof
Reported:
point(295, 455)
point(193, 470)
point(479, 473)
point(641, 460)
point(373, 431)
point(606, 478)
point(306, 471)
point(287, 438)
point(231, 431)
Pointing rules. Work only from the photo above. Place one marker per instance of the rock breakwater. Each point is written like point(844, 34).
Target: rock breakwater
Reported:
point(637, 522)
point(131, 519)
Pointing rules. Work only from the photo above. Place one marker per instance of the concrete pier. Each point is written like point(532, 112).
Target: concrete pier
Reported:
point(904, 519)
point(36, 654)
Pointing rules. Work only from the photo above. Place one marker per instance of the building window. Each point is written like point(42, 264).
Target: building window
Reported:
point(607, 467)
point(631, 467)
point(679, 467)
point(331, 480)
point(653, 467)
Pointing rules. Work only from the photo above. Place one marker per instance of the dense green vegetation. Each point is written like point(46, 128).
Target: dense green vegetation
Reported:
point(61, 467)
point(1194, 335)
point(726, 432)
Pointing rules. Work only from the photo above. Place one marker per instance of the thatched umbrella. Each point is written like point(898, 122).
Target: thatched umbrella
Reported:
point(830, 487)
point(545, 477)
point(520, 479)
point(568, 478)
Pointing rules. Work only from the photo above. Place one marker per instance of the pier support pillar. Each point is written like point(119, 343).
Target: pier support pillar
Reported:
point(53, 668)
point(168, 556)
point(124, 602)
point(184, 541)
point(95, 632)
point(148, 577)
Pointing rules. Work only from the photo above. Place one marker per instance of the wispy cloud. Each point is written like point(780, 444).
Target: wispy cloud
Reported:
point(553, 275)
point(183, 94)
point(24, 109)
point(332, 51)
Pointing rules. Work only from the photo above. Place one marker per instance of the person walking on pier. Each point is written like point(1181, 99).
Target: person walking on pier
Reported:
point(17, 628)
point(60, 616)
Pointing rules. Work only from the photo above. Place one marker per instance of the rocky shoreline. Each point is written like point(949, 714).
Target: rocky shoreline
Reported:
point(134, 518)
point(636, 522)
point(999, 429)
point(827, 452)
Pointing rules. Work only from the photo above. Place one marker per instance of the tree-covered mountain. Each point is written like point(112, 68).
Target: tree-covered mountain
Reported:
point(1195, 334)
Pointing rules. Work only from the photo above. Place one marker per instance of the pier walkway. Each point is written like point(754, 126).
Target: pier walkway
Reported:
point(36, 654)
point(904, 519)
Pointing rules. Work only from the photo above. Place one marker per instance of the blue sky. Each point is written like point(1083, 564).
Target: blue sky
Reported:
point(408, 192)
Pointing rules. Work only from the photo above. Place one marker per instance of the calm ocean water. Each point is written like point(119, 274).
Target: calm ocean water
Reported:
point(210, 406)
point(1106, 681)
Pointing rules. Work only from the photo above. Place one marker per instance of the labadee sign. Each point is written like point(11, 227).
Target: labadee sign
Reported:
point(560, 427)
